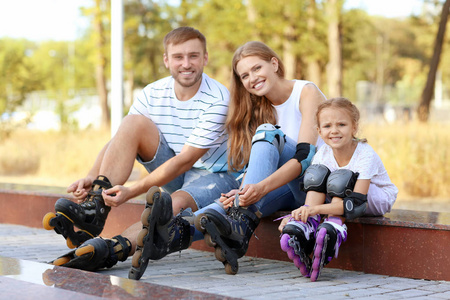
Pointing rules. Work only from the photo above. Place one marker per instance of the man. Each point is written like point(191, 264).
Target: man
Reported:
point(175, 128)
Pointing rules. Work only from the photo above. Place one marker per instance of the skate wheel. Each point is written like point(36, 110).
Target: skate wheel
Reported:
point(154, 190)
point(291, 254)
point(85, 250)
point(208, 240)
point(61, 261)
point(140, 238)
point(70, 244)
point(46, 220)
point(229, 269)
point(284, 242)
point(135, 261)
point(144, 217)
point(219, 255)
point(198, 223)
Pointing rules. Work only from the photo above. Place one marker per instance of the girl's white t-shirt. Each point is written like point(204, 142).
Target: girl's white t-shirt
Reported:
point(382, 192)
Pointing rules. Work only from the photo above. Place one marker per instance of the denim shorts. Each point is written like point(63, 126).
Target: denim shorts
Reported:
point(204, 186)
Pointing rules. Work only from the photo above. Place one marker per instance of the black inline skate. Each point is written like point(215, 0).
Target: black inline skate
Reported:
point(96, 253)
point(89, 216)
point(229, 233)
point(161, 233)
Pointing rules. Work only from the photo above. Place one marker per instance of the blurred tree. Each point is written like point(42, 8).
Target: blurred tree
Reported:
point(99, 39)
point(145, 24)
point(18, 77)
point(334, 67)
point(423, 109)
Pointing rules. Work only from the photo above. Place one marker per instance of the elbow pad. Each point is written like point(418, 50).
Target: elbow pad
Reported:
point(355, 205)
point(304, 155)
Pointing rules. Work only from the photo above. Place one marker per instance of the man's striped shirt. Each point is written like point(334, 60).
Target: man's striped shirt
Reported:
point(198, 122)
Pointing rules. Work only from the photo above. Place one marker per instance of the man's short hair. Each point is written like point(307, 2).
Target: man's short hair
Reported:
point(183, 34)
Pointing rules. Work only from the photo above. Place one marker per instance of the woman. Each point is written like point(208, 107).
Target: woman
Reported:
point(274, 157)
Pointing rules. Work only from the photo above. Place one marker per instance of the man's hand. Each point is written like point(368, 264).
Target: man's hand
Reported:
point(80, 188)
point(117, 195)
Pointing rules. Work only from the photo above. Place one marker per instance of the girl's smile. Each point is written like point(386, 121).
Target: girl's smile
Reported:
point(337, 130)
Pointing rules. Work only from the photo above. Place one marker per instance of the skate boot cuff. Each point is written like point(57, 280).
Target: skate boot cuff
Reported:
point(101, 182)
point(341, 232)
point(120, 248)
point(309, 228)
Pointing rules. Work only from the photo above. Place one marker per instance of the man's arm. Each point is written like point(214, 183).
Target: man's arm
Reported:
point(162, 175)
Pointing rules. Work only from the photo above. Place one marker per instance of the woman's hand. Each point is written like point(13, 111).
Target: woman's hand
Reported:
point(250, 194)
point(228, 198)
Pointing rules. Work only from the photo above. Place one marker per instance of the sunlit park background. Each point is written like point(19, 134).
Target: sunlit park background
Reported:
point(392, 58)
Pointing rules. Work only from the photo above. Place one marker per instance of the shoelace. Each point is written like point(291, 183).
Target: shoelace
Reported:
point(235, 214)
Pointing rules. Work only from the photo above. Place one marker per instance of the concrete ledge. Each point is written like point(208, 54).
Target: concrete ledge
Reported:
point(403, 243)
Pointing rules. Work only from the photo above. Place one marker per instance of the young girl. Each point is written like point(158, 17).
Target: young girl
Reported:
point(346, 180)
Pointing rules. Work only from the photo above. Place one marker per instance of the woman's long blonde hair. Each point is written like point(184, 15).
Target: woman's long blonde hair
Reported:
point(247, 111)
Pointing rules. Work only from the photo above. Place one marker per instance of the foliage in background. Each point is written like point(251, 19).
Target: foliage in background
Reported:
point(394, 54)
point(415, 155)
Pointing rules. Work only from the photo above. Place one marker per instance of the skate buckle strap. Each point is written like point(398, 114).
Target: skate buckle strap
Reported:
point(183, 225)
point(341, 231)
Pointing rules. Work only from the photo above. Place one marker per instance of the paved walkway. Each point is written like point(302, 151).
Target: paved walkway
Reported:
point(200, 272)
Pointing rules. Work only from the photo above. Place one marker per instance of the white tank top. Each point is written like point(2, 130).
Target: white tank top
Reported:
point(289, 116)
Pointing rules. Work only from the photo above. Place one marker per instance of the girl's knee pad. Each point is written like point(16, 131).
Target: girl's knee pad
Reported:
point(315, 178)
point(341, 183)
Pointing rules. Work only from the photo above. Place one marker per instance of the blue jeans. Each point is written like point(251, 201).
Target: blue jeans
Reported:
point(265, 159)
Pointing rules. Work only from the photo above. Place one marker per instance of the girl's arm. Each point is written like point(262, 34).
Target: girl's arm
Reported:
point(335, 208)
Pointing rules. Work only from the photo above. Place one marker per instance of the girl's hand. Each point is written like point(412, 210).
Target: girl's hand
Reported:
point(304, 212)
point(283, 223)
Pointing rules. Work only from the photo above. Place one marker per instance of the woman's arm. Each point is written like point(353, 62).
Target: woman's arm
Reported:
point(311, 97)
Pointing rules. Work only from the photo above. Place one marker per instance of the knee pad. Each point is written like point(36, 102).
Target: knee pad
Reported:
point(315, 178)
point(355, 205)
point(341, 183)
point(272, 134)
point(304, 154)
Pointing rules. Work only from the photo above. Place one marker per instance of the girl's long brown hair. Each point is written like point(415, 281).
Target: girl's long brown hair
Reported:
point(247, 111)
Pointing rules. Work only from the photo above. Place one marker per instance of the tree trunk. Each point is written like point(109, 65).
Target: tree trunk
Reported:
point(334, 67)
point(288, 53)
point(252, 15)
point(423, 111)
point(313, 66)
point(101, 65)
